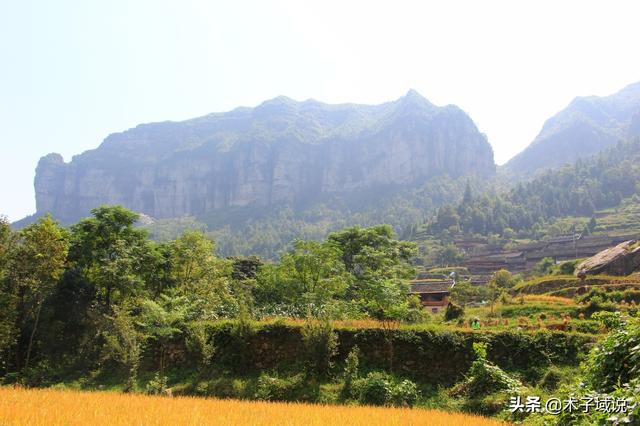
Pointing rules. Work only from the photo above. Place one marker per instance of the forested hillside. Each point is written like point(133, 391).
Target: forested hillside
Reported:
point(590, 184)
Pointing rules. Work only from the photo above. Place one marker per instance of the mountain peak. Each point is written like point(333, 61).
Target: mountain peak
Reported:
point(413, 102)
point(413, 93)
point(585, 127)
point(279, 100)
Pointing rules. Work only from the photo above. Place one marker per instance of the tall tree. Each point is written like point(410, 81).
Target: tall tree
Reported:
point(380, 266)
point(111, 252)
point(314, 272)
point(199, 274)
point(37, 263)
point(7, 296)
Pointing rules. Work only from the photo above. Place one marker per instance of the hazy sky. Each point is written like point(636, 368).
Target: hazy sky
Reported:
point(71, 72)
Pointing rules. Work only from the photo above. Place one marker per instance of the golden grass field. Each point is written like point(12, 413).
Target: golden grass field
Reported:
point(548, 299)
point(57, 407)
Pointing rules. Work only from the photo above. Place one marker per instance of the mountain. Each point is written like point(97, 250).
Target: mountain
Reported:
point(585, 127)
point(282, 152)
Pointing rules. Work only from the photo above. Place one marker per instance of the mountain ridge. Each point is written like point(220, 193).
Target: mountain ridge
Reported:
point(280, 151)
point(587, 126)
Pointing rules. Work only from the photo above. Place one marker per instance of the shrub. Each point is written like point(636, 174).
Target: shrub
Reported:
point(321, 345)
point(350, 373)
point(597, 304)
point(376, 389)
point(272, 388)
point(568, 267)
point(242, 331)
point(200, 344)
point(485, 377)
point(157, 385)
point(544, 266)
point(551, 379)
point(382, 389)
point(616, 359)
point(611, 320)
point(586, 326)
point(404, 394)
point(224, 387)
point(453, 311)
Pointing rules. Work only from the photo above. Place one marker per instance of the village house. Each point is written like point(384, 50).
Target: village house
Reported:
point(434, 295)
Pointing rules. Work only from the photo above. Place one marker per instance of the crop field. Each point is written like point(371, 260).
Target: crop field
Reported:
point(61, 407)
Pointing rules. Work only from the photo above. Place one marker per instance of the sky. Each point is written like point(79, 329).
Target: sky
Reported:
point(72, 72)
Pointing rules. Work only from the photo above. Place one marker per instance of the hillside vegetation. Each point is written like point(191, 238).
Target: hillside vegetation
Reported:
point(583, 190)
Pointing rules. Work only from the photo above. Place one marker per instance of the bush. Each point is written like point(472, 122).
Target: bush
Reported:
point(242, 331)
point(486, 378)
point(551, 379)
point(453, 311)
point(404, 394)
point(611, 320)
point(224, 387)
point(350, 373)
point(376, 389)
point(321, 345)
point(616, 359)
point(597, 304)
point(586, 326)
point(568, 267)
point(545, 266)
point(272, 388)
point(157, 385)
point(382, 389)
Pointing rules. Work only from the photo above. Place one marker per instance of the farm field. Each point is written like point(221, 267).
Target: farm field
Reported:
point(20, 406)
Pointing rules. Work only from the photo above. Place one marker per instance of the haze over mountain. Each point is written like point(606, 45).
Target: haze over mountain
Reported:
point(281, 152)
point(586, 126)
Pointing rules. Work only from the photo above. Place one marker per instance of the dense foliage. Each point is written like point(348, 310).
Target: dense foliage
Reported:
point(270, 231)
point(103, 295)
point(573, 190)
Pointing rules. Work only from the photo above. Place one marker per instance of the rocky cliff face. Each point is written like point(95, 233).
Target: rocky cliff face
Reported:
point(587, 126)
point(282, 151)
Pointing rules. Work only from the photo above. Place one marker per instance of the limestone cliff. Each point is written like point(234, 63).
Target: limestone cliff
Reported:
point(281, 151)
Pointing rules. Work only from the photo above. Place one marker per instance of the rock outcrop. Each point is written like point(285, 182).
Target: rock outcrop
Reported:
point(622, 259)
point(282, 151)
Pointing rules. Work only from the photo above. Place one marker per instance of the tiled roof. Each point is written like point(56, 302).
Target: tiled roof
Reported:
point(419, 286)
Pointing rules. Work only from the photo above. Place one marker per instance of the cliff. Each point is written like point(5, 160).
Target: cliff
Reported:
point(280, 152)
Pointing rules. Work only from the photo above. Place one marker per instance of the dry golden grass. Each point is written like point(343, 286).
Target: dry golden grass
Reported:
point(548, 299)
point(354, 323)
point(55, 407)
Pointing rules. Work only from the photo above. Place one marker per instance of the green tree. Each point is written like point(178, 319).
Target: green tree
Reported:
point(163, 322)
point(123, 343)
point(199, 275)
point(314, 272)
point(111, 252)
point(544, 266)
point(380, 266)
point(36, 264)
point(464, 292)
point(321, 346)
point(449, 255)
point(7, 295)
point(503, 279)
